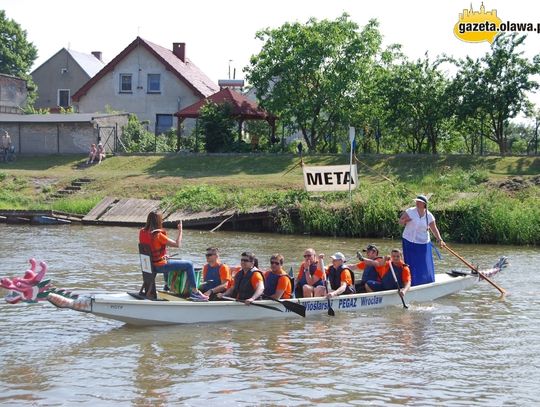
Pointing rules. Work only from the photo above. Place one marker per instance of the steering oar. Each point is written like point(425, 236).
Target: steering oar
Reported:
point(475, 270)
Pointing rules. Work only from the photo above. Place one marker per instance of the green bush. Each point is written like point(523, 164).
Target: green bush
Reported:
point(137, 139)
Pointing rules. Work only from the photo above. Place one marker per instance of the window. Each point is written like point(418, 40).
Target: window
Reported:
point(125, 83)
point(154, 83)
point(164, 122)
point(63, 98)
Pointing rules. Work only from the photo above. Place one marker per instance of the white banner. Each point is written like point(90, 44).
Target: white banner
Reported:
point(330, 178)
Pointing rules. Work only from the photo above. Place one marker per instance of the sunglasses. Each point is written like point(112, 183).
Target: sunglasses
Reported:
point(275, 262)
point(209, 254)
point(307, 256)
point(246, 260)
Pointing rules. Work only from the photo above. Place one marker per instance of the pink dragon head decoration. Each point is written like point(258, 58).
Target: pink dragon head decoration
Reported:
point(29, 287)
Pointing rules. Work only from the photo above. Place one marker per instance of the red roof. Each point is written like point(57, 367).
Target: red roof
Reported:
point(186, 71)
point(242, 106)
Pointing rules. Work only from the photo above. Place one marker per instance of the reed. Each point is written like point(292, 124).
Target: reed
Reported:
point(494, 217)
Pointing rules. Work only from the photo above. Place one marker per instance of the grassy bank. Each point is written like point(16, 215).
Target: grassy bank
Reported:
point(466, 195)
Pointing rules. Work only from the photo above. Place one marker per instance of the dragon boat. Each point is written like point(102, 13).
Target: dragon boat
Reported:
point(170, 309)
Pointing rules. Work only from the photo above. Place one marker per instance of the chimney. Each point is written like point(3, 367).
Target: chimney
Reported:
point(179, 49)
point(97, 54)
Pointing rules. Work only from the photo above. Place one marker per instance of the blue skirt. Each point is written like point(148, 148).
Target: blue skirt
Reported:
point(420, 260)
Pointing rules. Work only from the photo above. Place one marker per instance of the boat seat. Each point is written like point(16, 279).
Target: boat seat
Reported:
point(148, 288)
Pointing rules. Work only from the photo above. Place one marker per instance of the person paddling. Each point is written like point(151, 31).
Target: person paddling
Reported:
point(248, 283)
point(277, 283)
point(387, 281)
point(216, 275)
point(311, 276)
point(340, 277)
point(372, 266)
point(417, 246)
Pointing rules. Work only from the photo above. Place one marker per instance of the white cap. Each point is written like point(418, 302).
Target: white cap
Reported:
point(338, 256)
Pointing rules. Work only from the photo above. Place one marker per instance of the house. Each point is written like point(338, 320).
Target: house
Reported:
point(13, 94)
point(62, 75)
point(148, 80)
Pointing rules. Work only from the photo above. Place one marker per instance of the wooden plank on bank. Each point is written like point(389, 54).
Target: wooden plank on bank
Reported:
point(99, 209)
point(130, 211)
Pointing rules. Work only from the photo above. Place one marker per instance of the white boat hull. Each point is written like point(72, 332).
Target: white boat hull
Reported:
point(125, 308)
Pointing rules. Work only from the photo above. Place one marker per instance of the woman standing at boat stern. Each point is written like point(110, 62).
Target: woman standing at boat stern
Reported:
point(417, 246)
point(156, 237)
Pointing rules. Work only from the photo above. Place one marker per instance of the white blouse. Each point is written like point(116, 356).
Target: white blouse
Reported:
point(417, 229)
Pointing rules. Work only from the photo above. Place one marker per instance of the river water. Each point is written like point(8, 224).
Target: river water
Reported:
point(472, 348)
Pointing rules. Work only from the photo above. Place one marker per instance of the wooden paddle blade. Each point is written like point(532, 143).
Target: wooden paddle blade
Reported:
point(294, 307)
point(253, 304)
point(331, 310)
point(290, 305)
point(403, 300)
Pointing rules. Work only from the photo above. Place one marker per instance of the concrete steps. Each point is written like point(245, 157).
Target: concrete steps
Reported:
point(75, 186)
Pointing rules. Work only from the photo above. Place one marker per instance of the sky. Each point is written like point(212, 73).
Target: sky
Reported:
point(219, 34)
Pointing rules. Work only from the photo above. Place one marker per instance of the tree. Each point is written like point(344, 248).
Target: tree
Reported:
point(217, 126)
point(17, 54)
point(310, 74)
point(496, 85)
point(416, 103)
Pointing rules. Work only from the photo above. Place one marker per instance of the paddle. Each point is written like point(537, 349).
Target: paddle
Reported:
point(291, 306)
point(330, 309)
point(253, 303)
point(397, 283)
point(475, 269)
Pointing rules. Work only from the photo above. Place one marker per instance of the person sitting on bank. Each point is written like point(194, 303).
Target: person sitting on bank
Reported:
point(216, 275)
point(248, 283)
point(277, 283)
point(156, 237)
point(372, 266)
point(92, 154)
point(340, 277)
point(311, 276)
point(100, 152)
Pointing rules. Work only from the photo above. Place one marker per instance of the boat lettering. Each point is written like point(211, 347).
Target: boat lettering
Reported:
point(371, 301)
point(117, 306)
point(315, 305)
point(347, 303)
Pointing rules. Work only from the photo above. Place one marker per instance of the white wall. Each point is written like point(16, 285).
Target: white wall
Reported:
point(145, 105)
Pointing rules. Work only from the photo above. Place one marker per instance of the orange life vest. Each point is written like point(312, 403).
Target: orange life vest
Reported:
point(157, 250)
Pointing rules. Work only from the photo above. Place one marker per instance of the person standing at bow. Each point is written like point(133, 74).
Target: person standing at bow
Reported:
point(417, 246)
point(156, 237)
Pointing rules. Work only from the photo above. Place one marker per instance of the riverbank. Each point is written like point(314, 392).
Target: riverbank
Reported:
point(475, 199)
